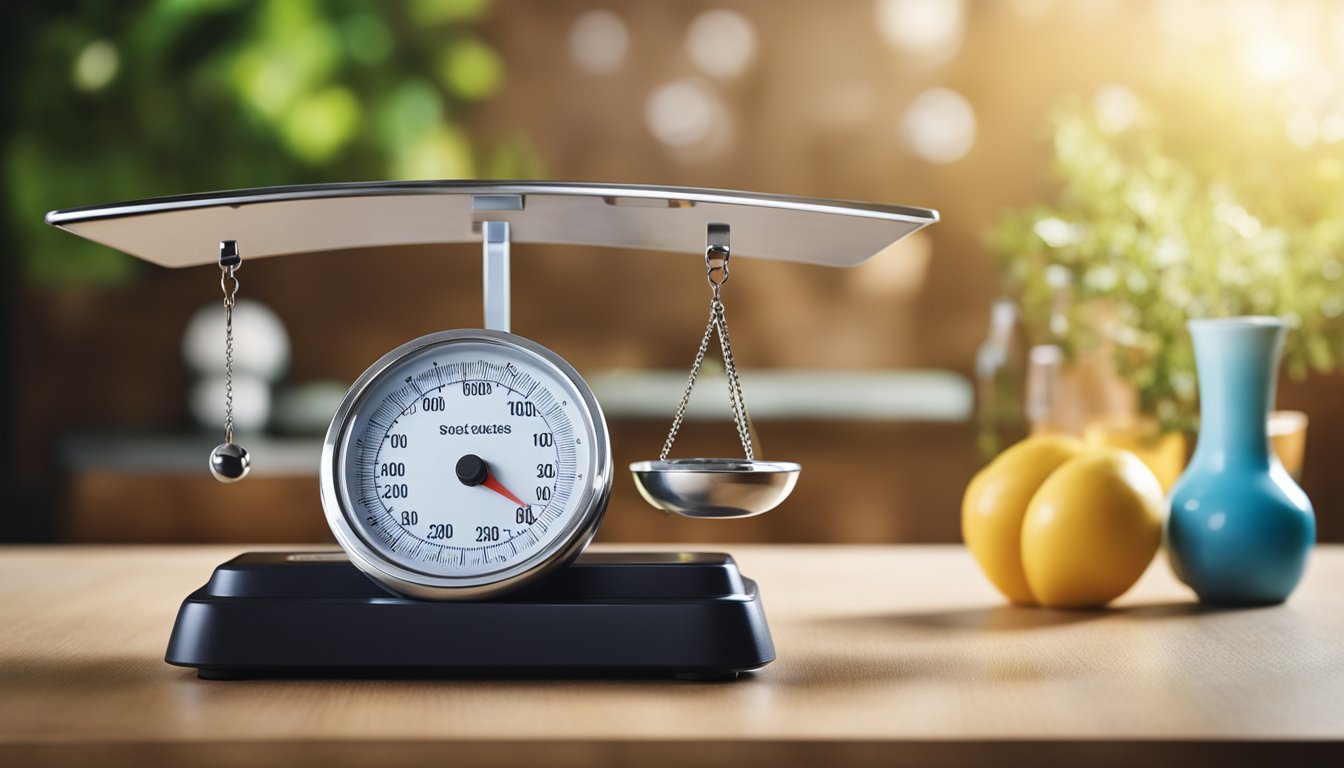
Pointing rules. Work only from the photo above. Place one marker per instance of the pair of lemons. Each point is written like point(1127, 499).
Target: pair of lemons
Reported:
point(1056, 523)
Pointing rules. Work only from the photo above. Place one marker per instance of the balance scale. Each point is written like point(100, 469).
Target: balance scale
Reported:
point(466, 471)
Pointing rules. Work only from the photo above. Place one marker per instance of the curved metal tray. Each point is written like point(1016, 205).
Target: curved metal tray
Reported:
point(275, 221)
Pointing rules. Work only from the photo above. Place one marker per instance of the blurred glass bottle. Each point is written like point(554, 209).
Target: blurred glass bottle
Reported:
point(1046, 404)
point(1045, 369)
point(1000, 375)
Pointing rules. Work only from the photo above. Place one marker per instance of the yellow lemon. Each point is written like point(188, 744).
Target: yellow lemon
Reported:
point(1091, 529)
point(996, 502)
point(1164, 454)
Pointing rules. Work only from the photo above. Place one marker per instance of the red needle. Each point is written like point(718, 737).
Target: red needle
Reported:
point(494, 485)
point(473, 470)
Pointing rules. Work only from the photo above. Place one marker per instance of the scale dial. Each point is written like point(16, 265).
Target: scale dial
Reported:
point(464, 464)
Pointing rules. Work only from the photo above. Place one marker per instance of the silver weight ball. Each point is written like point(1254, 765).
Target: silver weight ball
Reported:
point(229, 462)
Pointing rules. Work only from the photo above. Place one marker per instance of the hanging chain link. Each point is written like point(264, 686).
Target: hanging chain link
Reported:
point(735, 398)
point(716, 272)
point(228, 283)
point(690, 385)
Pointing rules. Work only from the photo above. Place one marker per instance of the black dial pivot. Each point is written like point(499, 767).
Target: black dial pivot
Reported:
point(472, 469)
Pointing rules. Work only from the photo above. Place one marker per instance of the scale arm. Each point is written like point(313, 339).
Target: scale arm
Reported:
point(185, 231)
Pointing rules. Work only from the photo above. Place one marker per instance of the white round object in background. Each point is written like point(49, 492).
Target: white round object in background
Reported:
point(251, 403)
point(939, 126)
point(598, 41)
point(722, 43)
point(681, 113)
point(690, 120)
point(260, 343)
point(1117, 108)
point(930, 30)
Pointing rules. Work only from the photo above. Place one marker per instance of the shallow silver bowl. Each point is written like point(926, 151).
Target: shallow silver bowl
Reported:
point(720, 488)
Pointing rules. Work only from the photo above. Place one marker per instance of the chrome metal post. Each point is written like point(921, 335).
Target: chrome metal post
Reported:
point(495, 235)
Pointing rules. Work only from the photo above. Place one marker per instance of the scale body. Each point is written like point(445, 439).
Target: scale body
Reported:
point(370, 612)
point(690, 615)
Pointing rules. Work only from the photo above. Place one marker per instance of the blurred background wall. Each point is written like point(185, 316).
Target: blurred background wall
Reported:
point(934, 103)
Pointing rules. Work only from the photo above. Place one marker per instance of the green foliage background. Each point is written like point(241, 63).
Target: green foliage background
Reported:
point(1209, 212)
point(127, 100)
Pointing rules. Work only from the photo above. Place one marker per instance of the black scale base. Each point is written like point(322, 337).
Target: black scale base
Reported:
point(276, 614)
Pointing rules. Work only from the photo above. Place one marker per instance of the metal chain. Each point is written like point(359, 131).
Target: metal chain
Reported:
point(716, 272)
point(735, 398)
point(228, 283)
point(690, 385)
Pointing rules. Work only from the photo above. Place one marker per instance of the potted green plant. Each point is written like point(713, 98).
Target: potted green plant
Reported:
point(1195, 207)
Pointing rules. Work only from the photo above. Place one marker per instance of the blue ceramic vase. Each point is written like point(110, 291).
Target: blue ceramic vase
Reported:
point(1240, 529)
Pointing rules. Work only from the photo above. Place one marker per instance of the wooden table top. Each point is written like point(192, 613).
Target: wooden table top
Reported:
point(890, 654)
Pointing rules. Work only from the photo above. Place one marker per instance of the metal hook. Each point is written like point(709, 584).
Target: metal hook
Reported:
point(718, 249)
point(229, 255)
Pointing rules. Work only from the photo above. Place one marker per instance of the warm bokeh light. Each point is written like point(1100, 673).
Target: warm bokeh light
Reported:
point(688, 116)
point(722, 43)
point(1332, 128)
point(598, 41)
point(1303, 128)
point(1117, 108)
point(939, 126)
point(1271, 59)
point(930, 30)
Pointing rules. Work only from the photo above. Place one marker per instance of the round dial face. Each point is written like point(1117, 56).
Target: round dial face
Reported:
point(466, 463)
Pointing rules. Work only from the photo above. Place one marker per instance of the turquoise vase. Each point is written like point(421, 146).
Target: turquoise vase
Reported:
point(1240, 530)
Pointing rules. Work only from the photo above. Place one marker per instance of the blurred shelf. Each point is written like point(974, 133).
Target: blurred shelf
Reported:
point(904, 395)
point(185, 453)
point(865, 396)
